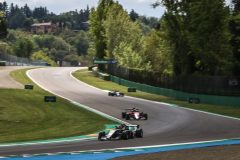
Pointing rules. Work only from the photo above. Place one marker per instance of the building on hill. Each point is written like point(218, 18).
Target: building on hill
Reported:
point(44, 28)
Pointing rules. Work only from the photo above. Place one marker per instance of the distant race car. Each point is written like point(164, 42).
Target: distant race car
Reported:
point(121, 132)
point(134, 114)
point(115, 93)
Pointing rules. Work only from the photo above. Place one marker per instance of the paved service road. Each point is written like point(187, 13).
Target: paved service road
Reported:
point(166, 124)
point(6, 81)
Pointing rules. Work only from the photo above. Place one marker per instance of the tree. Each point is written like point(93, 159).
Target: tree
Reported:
point(236, 6)
point(40, 13)
point(73, 59)
point(157, 51)
point(176, 26)
point(16, 20)
point(41, 56)
point(197, 43)
point(82, 43)
point(50, 42)
point(128, 58)
point(210, 44)
point(27, 11)
point(4, 8)
point(97, 29)
point(119, 28)
point(23, 47)
point(235, 40)
point(133, 15)
point(3, 26)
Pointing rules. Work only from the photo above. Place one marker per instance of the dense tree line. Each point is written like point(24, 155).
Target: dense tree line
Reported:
point(3, 25)
point(204, 36)
point(235, 39)
point(24, 17)
point(121, 36)
point(192, 37)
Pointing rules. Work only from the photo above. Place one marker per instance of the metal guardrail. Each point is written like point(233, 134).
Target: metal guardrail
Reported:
point(11, 60)
point(198, 84)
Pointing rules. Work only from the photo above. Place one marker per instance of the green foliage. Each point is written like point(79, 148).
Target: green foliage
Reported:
point(3, 25)
point(208, 43)
point(128, 58)
point(50, 41)
point(235, 40)
point(133, 15)
point(5, 48)
point(41, 56)
point(40, 13)
point(199, 36)
point(23, 47)
point(119, 28)
point(236, 6)
point(44, 41)
point(74, 59)
point(157, 51)
point(81, 43)
point(97, 29)
point(17, 20)
point(26, 117)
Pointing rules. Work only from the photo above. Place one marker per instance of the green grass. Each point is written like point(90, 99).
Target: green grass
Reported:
point(88, 77)
point(24, 116)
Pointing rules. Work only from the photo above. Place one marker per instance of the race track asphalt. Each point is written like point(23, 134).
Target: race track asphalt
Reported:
point(166, 124)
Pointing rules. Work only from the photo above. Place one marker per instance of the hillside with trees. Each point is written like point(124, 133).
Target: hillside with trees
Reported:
point(72, 42)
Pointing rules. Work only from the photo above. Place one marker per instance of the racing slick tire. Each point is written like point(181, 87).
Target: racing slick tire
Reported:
point(145, 116)
point(139, 133)
point(131, 135)
point(100, 135)
point(127, 117)
point(110, 94)
point(124, 114)
point(125, 135)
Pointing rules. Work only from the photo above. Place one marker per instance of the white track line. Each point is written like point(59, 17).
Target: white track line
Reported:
point(116, 150)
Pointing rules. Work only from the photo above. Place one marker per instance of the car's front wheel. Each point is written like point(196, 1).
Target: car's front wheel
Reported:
point(100, 135)
point(139, 133)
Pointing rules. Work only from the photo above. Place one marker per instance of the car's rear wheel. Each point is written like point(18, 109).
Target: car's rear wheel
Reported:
point(146, 116)
point(139, 133)
point(131, 135)
point(127, 117)
point(124, 114)
point(125, 136)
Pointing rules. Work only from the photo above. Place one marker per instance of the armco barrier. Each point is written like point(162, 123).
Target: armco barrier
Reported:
point(208, 99)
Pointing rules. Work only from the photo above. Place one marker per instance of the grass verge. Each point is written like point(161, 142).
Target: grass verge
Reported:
point(89, 78)
point(24, 116)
